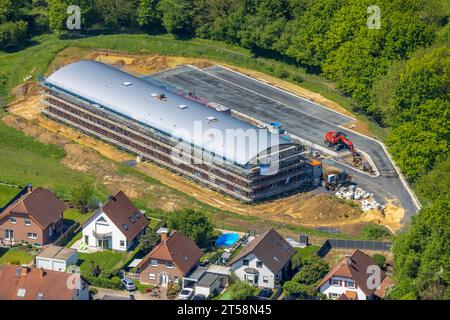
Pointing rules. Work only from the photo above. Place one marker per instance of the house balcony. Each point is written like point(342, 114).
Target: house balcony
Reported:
point(102, 235)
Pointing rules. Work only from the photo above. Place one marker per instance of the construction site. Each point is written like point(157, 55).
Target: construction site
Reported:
point(306, 126)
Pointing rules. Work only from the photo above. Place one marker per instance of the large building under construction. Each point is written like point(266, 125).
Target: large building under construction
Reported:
point(203, 142)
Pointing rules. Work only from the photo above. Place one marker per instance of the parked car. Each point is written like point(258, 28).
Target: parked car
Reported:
point(186, 294)
point(128, 284)
point(199, 297)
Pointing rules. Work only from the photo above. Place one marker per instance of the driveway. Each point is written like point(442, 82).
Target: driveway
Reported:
point(111, 294)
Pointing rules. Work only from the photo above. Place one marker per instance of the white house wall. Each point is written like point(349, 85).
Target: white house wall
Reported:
point(238, 269)
point(328, 288)
point(116, 234)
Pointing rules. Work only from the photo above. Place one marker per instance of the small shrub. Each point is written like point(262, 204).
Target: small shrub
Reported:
point(379, 259)
point(374, 232)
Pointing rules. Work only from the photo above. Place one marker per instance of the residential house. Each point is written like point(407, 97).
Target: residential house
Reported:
point(56, 258)
point(351, 279)
point(116, 225)
point(263, 261)
point(25, 283)
point(34, 216)
point(172, 259)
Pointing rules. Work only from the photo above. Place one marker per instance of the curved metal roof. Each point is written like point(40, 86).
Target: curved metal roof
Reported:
point(133, 97)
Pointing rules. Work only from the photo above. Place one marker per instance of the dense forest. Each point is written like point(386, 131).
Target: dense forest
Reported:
point(398, 75)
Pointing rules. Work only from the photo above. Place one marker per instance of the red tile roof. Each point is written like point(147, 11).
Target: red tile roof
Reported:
point(271, 248)
point(182, 251)
point(124, 215)
point(50, 285)
point(355, 268)
point(40, 204)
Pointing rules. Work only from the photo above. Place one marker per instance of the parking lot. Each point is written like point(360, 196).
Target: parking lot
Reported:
point(299, 116)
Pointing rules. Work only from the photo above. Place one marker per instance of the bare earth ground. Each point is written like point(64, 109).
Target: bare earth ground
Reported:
point(90, 155)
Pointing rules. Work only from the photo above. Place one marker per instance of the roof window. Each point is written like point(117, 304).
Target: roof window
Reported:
point(132, 220)
point(125, 226)
point(21, 292)
point(137, 215)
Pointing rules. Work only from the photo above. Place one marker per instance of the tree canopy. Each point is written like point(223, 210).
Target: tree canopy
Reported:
point(193, 224)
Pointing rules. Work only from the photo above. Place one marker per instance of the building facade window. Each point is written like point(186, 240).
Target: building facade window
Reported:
point(350, 284)
point(27, 222)
point(169, 265)
point(334, 296)
point(122, 243)
point(335, 282)
point(13, 220)
point(259, 264)
point(265, 279)
point(154, 263)
point(245, 262)
point(86, 239)
point(152, 276)
point(32, 235)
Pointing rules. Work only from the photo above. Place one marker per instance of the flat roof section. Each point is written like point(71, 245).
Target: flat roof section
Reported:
point(56, 252)
point(207, 280)
point(175, 115)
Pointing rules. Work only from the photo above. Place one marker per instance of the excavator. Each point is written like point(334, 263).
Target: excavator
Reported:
point(338, 140)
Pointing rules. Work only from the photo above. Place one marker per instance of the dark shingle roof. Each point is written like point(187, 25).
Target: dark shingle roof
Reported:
point(355, 268)
point(179, 249)
point(40, 204)
point(125, 215)
point(271, 248)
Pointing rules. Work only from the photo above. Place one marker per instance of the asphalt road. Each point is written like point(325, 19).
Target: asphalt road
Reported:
point(298, 116)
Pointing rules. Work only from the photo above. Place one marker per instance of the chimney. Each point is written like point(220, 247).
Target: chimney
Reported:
point(163, 235)
point(43, 273)
point(24, 270)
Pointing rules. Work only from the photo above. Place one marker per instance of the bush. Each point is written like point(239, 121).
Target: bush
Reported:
point(193, 224)
point(298, 289)
point(13, 34)
point(374, 232)
point(113, 283)
point(172, 290)
point(241, 291)
point(379, 260)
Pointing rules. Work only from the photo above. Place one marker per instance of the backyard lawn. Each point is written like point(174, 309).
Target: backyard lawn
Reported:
point(17, 256)
point(109, 261)
point(76, 215)
point(154, 223)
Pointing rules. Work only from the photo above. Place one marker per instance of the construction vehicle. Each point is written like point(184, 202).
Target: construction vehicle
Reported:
point(338, 140)
point(336, 180)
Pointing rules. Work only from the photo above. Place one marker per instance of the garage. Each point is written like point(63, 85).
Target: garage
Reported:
point(56, 258)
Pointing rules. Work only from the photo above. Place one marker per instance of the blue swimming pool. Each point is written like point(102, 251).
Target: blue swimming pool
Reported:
point(227, 240)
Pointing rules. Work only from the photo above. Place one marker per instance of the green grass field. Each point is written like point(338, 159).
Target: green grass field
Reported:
point(6, 194)
point(24, 160)
point(17, 256)
point(109, 261)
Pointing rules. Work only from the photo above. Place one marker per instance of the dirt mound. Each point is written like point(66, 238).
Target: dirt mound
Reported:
point(326, 208)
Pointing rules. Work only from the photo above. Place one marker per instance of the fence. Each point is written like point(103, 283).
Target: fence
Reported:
point(353, 244)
